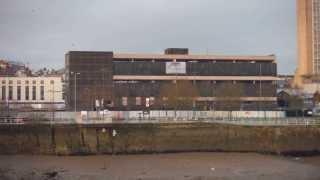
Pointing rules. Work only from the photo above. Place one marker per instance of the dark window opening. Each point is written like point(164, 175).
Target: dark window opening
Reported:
point(19, 93)
point(27, 92)
point(34, 93)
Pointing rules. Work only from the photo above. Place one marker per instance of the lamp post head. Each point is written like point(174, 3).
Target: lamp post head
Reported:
point(76, 73)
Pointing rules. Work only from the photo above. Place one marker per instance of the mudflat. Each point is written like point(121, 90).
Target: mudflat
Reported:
point(180, 166)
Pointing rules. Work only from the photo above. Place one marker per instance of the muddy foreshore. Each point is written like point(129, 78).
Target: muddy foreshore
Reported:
point(180, 166)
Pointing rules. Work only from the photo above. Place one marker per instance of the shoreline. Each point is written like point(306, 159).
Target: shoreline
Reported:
point(288, 154)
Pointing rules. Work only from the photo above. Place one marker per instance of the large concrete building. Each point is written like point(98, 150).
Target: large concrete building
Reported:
point(173, 80)
point(308, 16)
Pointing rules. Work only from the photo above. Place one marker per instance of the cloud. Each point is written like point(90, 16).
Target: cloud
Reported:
point(42, 31)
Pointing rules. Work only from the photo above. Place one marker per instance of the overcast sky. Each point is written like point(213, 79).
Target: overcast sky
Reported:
point(40, 32)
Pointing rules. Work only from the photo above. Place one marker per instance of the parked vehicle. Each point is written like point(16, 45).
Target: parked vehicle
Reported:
point(300, 113)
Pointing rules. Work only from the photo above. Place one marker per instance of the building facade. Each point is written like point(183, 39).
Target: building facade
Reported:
point(32, 92)
point(308, 16)
point(88, 78)
point(173, 80)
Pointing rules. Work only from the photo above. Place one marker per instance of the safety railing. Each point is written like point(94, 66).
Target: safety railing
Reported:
point(313, 121)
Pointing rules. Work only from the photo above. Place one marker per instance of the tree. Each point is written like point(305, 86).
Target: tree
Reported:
point(283, 99)
point(180, 95)
point(316, 97)
point(229, 96)
point(295, 102)
point(3, 108)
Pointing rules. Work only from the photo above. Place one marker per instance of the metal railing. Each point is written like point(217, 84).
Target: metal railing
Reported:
point(271, 122)
point(313, 121)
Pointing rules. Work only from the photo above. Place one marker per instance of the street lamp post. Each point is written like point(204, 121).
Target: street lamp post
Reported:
point(52, 96)
point(53, 108)
point(260, 88)
point(75, 90)
point(7, 95)
point(176, 90)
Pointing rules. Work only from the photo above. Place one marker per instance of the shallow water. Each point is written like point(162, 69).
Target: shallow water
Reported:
point(191, 166)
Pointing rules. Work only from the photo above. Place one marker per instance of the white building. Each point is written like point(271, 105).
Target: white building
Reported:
point(32, 92)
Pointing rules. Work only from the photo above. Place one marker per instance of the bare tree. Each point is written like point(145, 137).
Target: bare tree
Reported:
point(295, 103)
point(180, 95)
point(85, 97)
point(3, 108)
point(316, 97)
point(229, 96)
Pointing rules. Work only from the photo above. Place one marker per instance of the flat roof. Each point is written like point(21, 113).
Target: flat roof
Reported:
point(197, 78)
point(120, 56)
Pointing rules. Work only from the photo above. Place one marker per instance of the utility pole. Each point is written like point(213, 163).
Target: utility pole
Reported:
point(260, 90)
point(75, 90)
point(7, 95)
point(260, 86)
point(103, 94)
point(53, 91)
point(176, 91)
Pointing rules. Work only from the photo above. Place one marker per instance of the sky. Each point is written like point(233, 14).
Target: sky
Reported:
point(40, 32)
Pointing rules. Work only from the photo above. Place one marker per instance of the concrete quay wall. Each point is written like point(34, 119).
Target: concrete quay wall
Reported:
point(156, 138)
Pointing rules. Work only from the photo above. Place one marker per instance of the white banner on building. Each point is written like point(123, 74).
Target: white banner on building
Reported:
point(176, 67)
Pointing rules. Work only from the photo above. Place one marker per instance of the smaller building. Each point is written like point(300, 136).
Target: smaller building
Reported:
point(29, 93)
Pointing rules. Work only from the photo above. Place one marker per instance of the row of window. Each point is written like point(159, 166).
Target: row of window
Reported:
point(200, 69)
point(27, 93)
point(316, 28)
point(26, 82)
point(145, 101)
point(185, 60)
point(195, 82)
point(149, 101)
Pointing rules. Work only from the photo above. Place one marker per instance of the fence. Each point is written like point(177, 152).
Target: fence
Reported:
point(271, 122)
point(249, 118)
point(195, 114)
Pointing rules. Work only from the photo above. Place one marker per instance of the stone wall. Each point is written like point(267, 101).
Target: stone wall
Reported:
point(155, 138)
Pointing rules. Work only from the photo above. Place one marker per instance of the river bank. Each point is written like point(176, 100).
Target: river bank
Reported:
point(180, 166)
point(157, 138)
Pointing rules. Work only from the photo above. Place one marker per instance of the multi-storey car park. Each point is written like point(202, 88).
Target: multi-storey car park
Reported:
point(173, 80)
